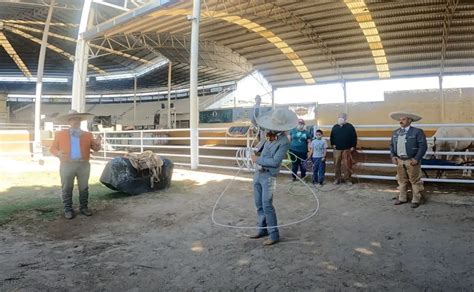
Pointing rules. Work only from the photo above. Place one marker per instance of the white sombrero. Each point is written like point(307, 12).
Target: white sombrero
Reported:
point(73, 114)
point(397, 115)
point(280, 119)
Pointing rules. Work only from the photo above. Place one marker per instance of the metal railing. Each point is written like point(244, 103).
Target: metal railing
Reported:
point(217, 150)
point(424, 167)
point(9, 153)
point(16, 126)
point(216, 155)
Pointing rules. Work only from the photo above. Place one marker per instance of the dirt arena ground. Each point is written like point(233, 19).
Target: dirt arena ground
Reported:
point(165, 241)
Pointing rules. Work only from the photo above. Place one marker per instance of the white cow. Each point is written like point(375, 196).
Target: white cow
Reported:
point(437, 144)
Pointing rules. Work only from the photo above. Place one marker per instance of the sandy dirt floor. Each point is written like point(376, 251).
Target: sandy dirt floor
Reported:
point(165, 241)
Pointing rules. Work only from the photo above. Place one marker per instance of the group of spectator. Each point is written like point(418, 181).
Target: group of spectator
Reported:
point(310, 144)
point(407, 147)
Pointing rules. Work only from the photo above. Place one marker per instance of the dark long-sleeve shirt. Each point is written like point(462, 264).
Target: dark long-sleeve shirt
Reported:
point(343, 137)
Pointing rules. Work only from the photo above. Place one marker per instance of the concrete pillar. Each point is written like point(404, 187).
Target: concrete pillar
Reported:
point(4, 110)
point(168, 125)
point(81, 61)
point(441, 99)
point(135, 101)
point(273, 98)
point(344, 88)
point(193, 98)
point(37, 149)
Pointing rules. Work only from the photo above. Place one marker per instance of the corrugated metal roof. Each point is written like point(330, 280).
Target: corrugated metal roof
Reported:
point(289, 42)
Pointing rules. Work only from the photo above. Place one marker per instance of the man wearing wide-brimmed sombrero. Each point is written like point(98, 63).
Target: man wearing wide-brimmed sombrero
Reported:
point(407, 147)
point(72, 146)
point(275, 147)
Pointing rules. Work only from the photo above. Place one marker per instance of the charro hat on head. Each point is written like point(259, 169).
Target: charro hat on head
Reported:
point(280, 119)
point(73, 114)
point(397, 115)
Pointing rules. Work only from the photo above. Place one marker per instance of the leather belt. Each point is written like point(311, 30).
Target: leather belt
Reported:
point(404, 157)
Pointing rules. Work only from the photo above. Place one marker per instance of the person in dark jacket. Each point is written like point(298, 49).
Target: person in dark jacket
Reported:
point(407, 147)
point(343, 140)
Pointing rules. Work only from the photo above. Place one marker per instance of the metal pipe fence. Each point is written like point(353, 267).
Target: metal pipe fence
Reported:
point(216, 155)
point(222, 155)
point(16, 126)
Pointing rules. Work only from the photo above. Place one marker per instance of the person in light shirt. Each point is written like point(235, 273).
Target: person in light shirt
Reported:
point(72, 146)
point(317, 152)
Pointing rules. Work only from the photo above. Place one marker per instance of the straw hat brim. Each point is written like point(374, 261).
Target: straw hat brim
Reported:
point(265, 121)
point(397, 115)
point(66, 118)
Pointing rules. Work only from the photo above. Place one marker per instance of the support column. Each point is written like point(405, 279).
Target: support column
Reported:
point(441, 99)
point(168, 125)
point(37, 149)
point(193, 96)
point(134, 101)
point(273, 98)
point(344, 88)
point(81, 61)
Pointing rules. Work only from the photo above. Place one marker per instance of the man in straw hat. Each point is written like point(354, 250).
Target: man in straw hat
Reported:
point(407, 147)
point(267, 165)
point(72, 146)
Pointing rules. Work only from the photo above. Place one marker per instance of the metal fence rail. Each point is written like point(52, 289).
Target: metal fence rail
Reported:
point(175, 143)
point(15, 126)
point(222, 155)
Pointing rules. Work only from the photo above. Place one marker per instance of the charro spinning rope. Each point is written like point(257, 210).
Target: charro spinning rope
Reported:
point(244, 161)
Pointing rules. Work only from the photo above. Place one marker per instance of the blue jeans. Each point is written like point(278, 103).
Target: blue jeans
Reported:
point(263, 187)
point(298, 161)
point(319, 169)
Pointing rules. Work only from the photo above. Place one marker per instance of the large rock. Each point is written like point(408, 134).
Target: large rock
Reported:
point(120, 175)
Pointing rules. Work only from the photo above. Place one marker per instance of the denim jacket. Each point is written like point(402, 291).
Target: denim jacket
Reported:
point(273, 153)
point(416, 143)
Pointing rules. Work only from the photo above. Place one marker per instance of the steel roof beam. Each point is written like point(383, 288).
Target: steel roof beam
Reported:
point(37, 22)
point(13, 54)
point(112, 5)
point(212, 54)
point(103, 28)
point(281, 14)
point(154, 8)
point(99, 48)
point(51, 47)
point(39, 3)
